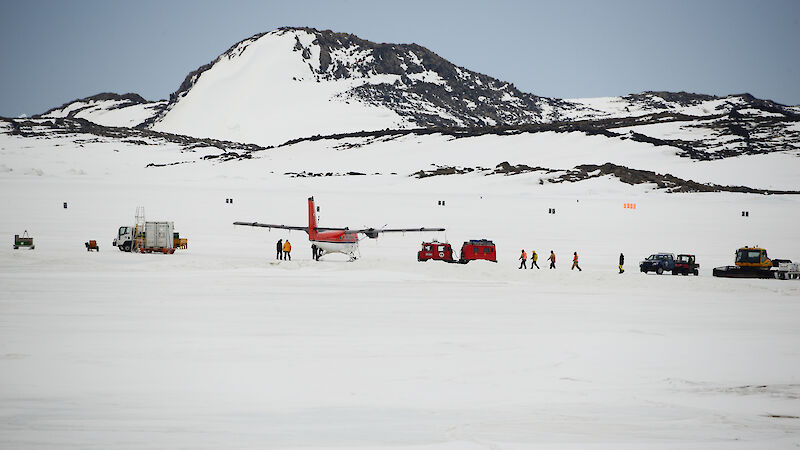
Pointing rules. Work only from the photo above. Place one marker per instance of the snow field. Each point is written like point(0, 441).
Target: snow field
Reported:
point(221, 346)
point(252, 357)
point(559, 151)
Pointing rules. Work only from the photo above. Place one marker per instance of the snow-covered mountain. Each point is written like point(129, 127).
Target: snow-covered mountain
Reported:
point(299, 82)
point(295, 83)
point(109, 109)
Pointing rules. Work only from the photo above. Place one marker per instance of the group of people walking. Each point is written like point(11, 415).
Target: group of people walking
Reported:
point(283, 250)
point(552, 258)
point(523, 258)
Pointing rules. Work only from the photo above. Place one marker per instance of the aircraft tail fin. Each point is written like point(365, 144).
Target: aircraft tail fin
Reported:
point(312, 219)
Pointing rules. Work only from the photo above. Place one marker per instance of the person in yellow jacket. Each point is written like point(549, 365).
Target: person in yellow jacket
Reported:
point(523, 258)
point(287, 250)
point(534, 258)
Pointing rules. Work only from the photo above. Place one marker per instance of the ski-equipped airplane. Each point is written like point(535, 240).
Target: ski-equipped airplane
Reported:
point(335, 240)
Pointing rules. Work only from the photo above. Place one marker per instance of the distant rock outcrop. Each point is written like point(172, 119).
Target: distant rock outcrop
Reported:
point(108, 109)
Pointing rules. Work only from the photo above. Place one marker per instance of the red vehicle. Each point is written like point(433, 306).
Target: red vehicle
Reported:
point(685, 264)
point(470, 251)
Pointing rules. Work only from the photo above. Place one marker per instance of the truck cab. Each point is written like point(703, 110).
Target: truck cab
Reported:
point(753, 257)
point(124, 239)
point(435, 250)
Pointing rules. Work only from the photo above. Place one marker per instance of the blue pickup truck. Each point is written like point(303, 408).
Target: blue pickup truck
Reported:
point(658, 263)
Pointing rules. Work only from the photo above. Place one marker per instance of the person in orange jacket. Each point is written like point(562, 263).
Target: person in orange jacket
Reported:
point(575, 262)
point(524, 259)
point(287, 250)
point(552, 260)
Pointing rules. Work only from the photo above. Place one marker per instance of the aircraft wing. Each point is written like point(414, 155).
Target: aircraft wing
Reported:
point(285, 227)
point(271, 225)
point(373, 232)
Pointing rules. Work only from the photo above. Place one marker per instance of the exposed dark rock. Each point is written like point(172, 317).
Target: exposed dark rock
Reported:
point(305, 174)
point(444, 170)
point(681, 98)
point(504, 168)
point(509, 169)
point(71, 125)
point(668, 182)
point(126, 99)
point(169, 164)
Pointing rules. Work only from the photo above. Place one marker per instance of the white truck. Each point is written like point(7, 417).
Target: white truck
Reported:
point(146, 238)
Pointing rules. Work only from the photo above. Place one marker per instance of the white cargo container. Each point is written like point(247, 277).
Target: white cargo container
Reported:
point(158, 234)
point(146, 237)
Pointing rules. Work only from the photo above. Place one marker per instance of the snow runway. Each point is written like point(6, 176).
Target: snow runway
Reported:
point(254, 357)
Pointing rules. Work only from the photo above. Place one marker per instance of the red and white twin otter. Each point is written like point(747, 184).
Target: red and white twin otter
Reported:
point(335, 240)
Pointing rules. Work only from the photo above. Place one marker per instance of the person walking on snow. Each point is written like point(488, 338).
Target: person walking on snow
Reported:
point(552, 260)
point(287, 250)
point(534, 258)
point(575, 262)
point(621, 262)
point(279, 249)
point(524, 259)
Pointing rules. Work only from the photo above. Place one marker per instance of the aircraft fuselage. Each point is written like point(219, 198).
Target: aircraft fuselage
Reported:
point(333, 241)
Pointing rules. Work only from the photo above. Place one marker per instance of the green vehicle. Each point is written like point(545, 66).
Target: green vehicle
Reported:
point(24, 241)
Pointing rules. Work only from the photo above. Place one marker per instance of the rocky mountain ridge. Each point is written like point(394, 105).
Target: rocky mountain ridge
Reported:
point(423, 90)
point(429, 91)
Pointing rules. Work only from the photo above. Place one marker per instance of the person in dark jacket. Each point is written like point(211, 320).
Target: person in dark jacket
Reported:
point(314, 252)
point(621, 262)
point(552, 260)
point(279, 249)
